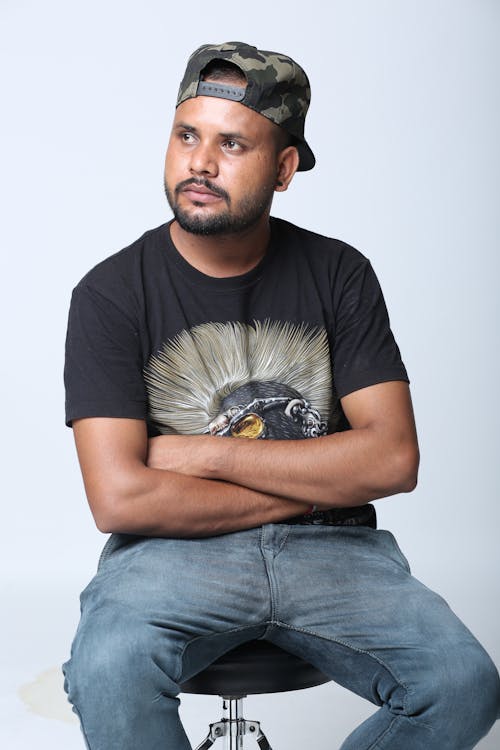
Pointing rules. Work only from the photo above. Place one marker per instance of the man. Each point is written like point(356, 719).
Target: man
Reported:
point(226, 323)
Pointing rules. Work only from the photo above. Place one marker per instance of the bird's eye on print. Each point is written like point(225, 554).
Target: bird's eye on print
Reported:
point(249, 426)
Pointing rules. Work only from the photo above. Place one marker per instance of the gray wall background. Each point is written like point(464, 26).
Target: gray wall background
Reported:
point(405, 123)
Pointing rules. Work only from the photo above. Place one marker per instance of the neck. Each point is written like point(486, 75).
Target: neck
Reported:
point(223, 255)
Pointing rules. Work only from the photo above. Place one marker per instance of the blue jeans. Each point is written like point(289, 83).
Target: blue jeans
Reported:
point(160, 610)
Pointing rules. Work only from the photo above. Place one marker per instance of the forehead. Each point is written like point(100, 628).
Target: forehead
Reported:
point(209, 113)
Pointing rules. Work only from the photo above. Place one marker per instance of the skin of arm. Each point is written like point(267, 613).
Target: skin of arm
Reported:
point(378, 457)
point(127, 496)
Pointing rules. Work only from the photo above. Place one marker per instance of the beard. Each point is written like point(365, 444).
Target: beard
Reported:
point(247, 214)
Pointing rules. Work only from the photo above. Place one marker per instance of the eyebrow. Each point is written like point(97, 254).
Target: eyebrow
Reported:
point(185, 126)
point(228, 136)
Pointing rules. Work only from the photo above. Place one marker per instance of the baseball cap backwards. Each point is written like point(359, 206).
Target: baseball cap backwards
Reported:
point(276, 87)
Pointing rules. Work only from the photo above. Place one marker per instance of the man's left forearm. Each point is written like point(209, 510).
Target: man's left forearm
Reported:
point(376, 458)
point(341, 470)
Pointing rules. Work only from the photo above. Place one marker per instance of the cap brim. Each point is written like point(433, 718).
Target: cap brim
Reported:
point(307, 160)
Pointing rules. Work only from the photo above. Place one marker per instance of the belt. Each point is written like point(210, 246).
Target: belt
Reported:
point(363, 515)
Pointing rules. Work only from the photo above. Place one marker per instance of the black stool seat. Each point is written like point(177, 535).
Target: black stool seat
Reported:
point(252, 668)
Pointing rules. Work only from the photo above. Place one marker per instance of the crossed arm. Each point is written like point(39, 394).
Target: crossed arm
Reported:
point(203, 486)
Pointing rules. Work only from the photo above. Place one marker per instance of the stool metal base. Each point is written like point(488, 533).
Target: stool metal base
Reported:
point(233, 727)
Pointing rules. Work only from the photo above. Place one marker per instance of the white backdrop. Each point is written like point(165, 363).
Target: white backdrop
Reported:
point(404, 121)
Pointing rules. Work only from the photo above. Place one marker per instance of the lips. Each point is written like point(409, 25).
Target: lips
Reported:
point(198, 189)
point(200, 194)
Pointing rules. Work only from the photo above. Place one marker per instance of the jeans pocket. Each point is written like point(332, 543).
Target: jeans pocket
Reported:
point(107, 550)
point(401, 557)
point(115, 542)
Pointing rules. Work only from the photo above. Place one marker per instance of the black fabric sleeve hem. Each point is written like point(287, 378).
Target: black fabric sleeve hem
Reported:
point(92, 410)
point(366, 379)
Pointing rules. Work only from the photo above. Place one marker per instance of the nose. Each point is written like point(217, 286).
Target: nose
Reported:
point(204, 160)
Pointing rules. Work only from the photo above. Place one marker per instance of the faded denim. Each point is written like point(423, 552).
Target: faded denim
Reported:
point(160, 610)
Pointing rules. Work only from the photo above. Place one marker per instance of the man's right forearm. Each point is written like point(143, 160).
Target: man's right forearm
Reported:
point(127, 496)
point(153, 502)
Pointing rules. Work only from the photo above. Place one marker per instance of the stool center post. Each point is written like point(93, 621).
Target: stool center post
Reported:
point(233, 713)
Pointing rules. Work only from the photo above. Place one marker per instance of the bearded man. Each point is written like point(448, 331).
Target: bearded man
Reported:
point(228, 323)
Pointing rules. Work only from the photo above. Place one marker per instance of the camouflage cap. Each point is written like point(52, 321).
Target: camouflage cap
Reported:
point(276, 87)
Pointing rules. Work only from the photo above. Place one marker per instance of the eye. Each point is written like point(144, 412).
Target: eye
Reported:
point(249, 426)
point(233, 146)
point(187, 137)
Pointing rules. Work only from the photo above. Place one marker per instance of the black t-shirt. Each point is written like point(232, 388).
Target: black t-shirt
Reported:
point(150, 337)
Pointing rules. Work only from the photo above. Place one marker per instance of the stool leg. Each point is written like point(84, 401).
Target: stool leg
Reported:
point(262, 741)
point(208, 742)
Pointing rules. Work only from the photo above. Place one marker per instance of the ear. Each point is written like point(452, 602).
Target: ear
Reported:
point(288, 162)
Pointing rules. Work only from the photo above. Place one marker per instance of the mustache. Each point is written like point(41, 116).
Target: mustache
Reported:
point(202, 182)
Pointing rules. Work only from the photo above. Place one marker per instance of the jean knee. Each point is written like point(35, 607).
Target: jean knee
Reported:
point(462, 695)
point(129, 663)
point(476, 679)
point(483, 686)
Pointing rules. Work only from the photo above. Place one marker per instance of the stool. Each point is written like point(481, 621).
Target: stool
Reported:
point(254, 667)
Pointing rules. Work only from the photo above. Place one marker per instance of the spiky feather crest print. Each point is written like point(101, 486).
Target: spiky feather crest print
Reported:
point(191, 377)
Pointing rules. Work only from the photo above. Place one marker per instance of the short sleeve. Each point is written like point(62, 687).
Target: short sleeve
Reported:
point(103, 364)
point(365, 351)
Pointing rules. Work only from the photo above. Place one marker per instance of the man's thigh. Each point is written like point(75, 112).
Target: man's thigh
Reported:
point(370, 622)
point(199, 584)
point(160, 596)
